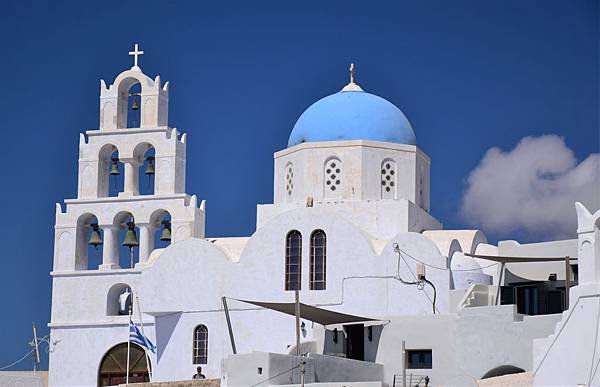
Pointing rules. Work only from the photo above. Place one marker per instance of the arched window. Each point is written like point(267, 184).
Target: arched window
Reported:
point(318, 260)
point(200, 351)
point(388, 179)
point(332, 178)
point(293, 260)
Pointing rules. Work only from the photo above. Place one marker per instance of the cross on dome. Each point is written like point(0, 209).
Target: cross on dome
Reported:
point(352, 86)
point(135, 54)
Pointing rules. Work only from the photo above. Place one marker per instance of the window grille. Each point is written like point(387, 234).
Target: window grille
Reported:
point(293, 260)
point(318, 260)
point(200, 352)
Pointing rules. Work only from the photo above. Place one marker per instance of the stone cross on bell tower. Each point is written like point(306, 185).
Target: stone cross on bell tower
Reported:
point(154, 99)
point(118, 151)
point(135, 53)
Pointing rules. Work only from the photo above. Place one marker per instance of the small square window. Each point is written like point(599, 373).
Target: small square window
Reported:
point(419, 359)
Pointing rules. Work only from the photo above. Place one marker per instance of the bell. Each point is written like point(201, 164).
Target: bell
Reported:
point(114, 168)
point(135, 105)
point(95, 238)
point(131, 240)
point(166, 232)
point(150, 168)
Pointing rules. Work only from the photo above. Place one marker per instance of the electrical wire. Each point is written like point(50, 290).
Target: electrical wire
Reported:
point(396, 277)
point(434, 292)
point(419, 283)
point(564, 321)
point(279, 374)
point(18, 361)
point(445, 268)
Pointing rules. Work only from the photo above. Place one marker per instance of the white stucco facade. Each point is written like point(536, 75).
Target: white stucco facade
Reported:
point(365, 196)
point(577, 332)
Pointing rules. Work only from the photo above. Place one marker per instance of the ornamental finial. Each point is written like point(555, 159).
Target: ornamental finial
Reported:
point(352, 86)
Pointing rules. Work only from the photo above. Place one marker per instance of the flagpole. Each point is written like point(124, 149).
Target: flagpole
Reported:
point(128, 345)
point(137, 301)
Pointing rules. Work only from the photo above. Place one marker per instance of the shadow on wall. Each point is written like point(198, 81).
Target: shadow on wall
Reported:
point(336, 342)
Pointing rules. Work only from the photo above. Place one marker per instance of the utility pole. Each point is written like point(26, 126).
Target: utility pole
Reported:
point(36, 351)
point(297, 310)
point(567, 280)
point(403, 363)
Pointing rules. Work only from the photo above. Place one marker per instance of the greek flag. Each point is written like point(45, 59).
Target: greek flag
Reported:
point(137, 337)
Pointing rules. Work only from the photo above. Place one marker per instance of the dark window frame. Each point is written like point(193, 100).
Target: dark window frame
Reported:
point(293, 260)
point(318, 260)
point(200, 345)
point(424, 362)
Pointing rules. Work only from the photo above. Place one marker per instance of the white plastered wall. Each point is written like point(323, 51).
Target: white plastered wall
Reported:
point(259, 275)
point(361, 172)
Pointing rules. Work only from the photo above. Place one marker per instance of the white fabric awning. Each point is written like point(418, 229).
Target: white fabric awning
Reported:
point(311, 313)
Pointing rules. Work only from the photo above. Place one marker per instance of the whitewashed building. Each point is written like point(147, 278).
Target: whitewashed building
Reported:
point(350, 225)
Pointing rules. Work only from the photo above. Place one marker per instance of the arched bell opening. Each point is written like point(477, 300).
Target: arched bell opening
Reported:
point(129, 105)
point(161, 224)
point(144, 154)
point(134, 106)
point(119, 300)
point(128, 239)
point(115, 171)
point(89, 243)
point(113, 367)
point(110, 171)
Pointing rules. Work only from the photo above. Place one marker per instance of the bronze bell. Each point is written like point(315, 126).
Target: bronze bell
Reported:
point(131, 240)
point(166, 232)
point(114, 168)
point(95, 238)
point(150, 168)
point(135, 105)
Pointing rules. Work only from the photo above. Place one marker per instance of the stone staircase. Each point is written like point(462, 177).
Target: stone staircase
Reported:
point(477, 295)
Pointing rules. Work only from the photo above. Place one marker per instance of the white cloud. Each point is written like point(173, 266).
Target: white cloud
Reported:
point(532, 189)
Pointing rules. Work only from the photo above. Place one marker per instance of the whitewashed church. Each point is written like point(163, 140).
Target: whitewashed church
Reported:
point(392, 295)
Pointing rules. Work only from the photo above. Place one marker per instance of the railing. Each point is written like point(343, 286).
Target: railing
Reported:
point(412, 380)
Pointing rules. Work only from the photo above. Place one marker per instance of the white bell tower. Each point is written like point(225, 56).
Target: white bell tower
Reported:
point(116, 150)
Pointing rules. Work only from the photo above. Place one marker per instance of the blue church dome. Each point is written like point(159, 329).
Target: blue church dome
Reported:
point(352, 114)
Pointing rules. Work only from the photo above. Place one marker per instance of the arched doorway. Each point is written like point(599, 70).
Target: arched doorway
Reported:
point(113, 367)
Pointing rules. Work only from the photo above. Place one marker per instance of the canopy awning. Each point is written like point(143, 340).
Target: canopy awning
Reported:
point(311, 313)
point(507, 259)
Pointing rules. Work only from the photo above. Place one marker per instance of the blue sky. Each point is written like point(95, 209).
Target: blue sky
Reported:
point(469, 75)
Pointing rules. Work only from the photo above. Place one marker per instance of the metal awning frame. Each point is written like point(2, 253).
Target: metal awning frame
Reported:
point(503, 260)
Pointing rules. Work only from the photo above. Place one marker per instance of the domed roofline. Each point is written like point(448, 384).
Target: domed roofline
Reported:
point(352, 114)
